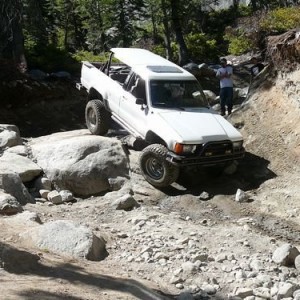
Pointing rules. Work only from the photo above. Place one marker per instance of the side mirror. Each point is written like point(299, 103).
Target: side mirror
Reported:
point(140, 101)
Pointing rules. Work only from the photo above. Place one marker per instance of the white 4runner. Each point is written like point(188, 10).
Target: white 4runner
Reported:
point(162, 104)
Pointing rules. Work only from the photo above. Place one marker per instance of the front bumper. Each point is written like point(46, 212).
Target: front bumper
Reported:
point(212, 153)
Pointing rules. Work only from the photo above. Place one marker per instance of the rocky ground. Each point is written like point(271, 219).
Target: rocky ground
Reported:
point(190, 241)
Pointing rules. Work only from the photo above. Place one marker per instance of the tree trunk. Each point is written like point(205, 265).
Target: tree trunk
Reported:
point(183, 51)
point(18, 51)
point(167, 34)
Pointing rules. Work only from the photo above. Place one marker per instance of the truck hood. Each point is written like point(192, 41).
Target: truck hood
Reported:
point(197, 126)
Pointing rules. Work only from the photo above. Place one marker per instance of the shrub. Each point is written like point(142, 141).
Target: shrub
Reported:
point(239, 43)
point(89, 56)
point(281, 19)
point(51, 59)
point(201, 47)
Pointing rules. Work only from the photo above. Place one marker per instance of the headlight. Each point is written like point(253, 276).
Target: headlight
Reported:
point(184, 148)
point(237, 145)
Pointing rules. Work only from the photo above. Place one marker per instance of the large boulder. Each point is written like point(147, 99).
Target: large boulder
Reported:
point(80, 162)
point(285, 255)
point(9, 136)
point(27, 169)
point(9, 204)
point(67, 238)
point(12, 184)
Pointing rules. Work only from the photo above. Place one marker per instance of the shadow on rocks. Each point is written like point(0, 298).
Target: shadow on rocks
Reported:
point(250, 173)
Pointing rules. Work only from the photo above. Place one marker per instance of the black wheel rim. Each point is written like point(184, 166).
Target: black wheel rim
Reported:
point(154, 168)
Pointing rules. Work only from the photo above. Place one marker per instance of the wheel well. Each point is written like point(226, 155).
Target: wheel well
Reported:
point(153, 138)
point(93, 94)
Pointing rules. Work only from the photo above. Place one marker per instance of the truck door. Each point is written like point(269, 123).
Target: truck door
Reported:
point(132, 114)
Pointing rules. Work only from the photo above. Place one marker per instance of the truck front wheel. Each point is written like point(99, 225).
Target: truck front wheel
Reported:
point(97, 117)
point(155, 168)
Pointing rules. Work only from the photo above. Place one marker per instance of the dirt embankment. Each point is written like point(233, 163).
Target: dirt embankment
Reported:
point(41, 107)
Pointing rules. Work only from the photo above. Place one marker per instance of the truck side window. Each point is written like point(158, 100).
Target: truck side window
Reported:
point(129, 81)
point(139, 89)
point(136, 86)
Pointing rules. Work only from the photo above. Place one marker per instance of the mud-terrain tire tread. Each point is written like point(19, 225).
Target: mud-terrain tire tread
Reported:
point(170, 171)
point(102, 117)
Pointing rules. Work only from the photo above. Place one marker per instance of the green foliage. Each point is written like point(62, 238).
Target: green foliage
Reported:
point(201, 47)
point(59, 32)
point(238, 42)
point(89, 56)
point(282, 19)
point(159, 50)
point(244, 11)
point(51, 59)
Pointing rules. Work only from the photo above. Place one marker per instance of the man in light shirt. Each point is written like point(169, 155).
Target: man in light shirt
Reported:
point(226, 86)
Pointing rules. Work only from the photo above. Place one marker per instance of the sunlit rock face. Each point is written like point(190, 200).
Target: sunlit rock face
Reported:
point(223, 4)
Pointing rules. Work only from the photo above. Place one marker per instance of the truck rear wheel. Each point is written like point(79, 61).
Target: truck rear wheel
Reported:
point(155, 168)
point(97, 117)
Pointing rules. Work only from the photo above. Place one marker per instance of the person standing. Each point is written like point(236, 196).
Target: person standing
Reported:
point(256, 68)
point(224, 73)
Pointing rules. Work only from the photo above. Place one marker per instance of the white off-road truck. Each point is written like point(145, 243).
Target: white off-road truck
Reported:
point(161, 103)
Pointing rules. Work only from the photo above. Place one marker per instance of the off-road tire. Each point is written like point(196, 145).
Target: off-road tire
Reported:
point(97, 117)
point(155, 168)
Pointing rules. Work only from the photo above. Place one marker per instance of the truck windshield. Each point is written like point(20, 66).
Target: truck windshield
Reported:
point(177, 94)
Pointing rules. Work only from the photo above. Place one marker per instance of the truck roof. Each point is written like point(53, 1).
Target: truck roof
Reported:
point(149, 64)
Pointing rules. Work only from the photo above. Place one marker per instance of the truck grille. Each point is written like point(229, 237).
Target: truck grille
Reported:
point(215, 149)
point(208, 154)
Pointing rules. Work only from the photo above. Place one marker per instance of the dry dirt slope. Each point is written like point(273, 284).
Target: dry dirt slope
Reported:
point(271, 124)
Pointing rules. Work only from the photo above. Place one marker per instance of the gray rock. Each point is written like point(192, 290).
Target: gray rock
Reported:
point(126, 202)
point(9, 136)
point(241, 196)
point(262, 292)
point(42, 183)
point(66, 196)
point(9, 204)
point(44, 194)
point(243, 292)
point(204, 196)
point(210, 96)
point(61, 74)
point(185, 295)
point(256, 265)
point(116, 183)
point(188, 268)
point(209, 289)
point(11, 183)
point(19, 150)
point(67, 238)
point(285, 255)
point(37, 74)
point(286, 290)
point(296, 294)
point(297, 262)
point(28, 217)
point(26, 168)
point(79, 162)
point(54, 197)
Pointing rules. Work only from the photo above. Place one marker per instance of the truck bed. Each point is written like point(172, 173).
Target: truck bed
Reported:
point(117, 71)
